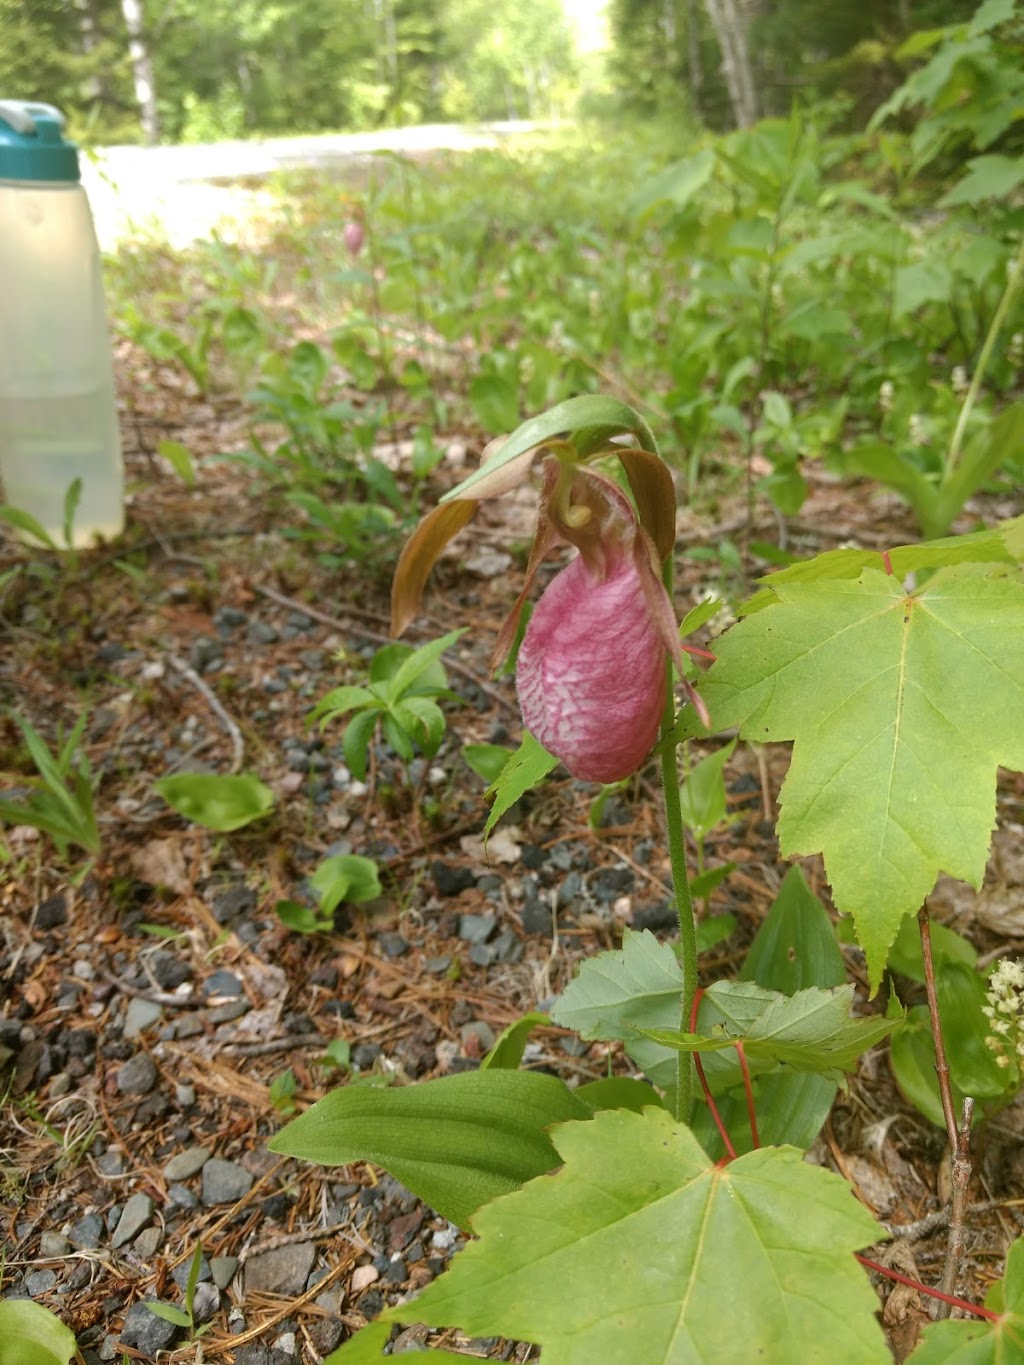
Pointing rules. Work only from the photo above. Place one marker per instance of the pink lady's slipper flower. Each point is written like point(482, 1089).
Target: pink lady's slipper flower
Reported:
point(591, 673)
point(354, 235)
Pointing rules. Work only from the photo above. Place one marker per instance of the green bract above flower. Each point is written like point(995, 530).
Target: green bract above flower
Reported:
point(591, 673)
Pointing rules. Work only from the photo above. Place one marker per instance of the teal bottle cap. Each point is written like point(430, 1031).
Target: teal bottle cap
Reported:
point(32, 144)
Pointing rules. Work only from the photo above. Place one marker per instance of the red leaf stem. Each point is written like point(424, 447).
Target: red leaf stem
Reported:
point(974, 1308)
point(748, 1088)
point(704, 1080)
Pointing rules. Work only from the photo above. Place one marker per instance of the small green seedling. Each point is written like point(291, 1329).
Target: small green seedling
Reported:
point(345, 877)
point(401, 697)
point(185, 1317)
point(61, 804)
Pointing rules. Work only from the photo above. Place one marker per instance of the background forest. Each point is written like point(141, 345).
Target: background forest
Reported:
point(198, 70)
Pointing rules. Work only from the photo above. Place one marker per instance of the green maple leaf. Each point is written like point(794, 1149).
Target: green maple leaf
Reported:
point(812, 1031)
point(641, 1249)
point(901, 706)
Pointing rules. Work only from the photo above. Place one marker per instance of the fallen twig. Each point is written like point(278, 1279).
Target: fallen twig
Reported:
point(237, 742)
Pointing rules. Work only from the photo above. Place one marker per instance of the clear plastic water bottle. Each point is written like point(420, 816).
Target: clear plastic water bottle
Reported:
point(58, 412)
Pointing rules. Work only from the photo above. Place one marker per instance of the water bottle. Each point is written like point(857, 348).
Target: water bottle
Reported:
point(58, 412)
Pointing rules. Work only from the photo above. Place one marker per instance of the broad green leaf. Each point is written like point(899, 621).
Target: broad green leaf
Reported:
point(495, 403)
point(1004, 544)
point(912, 1058)
point(419, 662)
point(901, 707)
point(302, 919)
point(1000, 441)
point(796, 945)
point(508, 1048)
point(356, 741)
point(890, 467)
point(717, 928)
point(637, 1249)
point(947, 946)
point(219, 803)
point(367, 1348)
point(810, 1031)
point(487, 760)
point(526, 768)
point(988, 177)
point(591, 419)
point(617, 993)
point(702, 798)
point(345, 877)
point(620, 1092)
point(31, 1335)
point(790, 1106)
point(677, 184)
point(180, 460)
point(928, 281)
point(339, 700)
point(972, 1342)
point(457, 1142)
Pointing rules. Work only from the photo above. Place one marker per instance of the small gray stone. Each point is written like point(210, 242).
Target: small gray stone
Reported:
point(436, 965)
point(481, 955)
point(148, 1243)
point(572, 886)
point(111, 1162)
point(60, 1085)
point(260, 633)
point(86, 1233)
point(140, 1015)
point(480, 1031)
point(507, 947)
point(187, 1163)
point(184, 1270)
point(182, 1196)
point(536, 918)
point(40, 1282)
point(284, 1270)
point(137, 1077)
point(476, 928)
point(134, 1217)
point(205, 1302)
point(236, 900)
point(185, 1095)
point(222, 983)
point(223, 1268)
point(51, 912)
point(53, 1246)
point(146, 1332)
point(224, 1182)
point(226, 1014)
point(169, 970)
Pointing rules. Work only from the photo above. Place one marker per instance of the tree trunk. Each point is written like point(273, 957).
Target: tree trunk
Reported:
point(142, 71)
point(91, 86)
point(731, 32)
point(694, 68)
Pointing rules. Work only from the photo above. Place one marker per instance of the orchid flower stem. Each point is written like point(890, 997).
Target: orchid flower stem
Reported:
point(680, 880)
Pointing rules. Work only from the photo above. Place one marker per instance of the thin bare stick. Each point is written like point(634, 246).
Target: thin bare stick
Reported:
point(959, 1135)
point(960, 1169)
point(237, 742)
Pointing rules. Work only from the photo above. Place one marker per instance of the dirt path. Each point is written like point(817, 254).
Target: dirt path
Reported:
point(180, 194)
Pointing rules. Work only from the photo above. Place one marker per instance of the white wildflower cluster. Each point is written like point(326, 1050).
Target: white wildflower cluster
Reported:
point(1005, 1012)
point(1015, 350)
point(918, 432)
point(886, 393)
point(958, 380)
